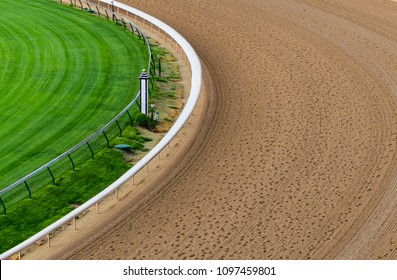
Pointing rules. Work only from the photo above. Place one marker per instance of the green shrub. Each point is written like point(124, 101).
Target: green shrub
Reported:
point(141, 119)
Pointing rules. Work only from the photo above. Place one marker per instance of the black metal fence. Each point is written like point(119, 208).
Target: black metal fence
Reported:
point(86, 149)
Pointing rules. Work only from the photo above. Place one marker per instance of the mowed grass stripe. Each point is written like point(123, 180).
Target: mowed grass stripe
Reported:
point(65, 74)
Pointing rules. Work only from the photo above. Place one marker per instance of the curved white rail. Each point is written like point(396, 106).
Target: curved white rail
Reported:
point(196, 82)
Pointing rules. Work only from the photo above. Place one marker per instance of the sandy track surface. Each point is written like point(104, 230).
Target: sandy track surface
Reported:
point(297, 155)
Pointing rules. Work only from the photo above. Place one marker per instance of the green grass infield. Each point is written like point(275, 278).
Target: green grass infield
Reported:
point(64, 74)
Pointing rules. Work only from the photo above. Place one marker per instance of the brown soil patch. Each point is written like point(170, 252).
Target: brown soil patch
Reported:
point(296, 158)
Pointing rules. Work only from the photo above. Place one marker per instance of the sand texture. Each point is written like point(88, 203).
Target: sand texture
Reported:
point(296, 154)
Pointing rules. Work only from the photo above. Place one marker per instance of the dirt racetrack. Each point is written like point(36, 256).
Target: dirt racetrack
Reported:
point(296, 158)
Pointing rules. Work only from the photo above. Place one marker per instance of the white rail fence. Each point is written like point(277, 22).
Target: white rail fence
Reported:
point(192, 60)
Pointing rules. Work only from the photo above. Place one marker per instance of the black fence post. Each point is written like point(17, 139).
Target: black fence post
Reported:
point(52, 175)
point(118, 125)
point(132, 122)
point(151, 83)
point(4, 207)
point(107, 139)
point(92, 152)
point(122, 20)
point(152, 57)
point(132, 28)
point(113, 15)
point(27, 187)
point(71, 160)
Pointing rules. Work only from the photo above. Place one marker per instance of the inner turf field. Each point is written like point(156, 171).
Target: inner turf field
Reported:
point(64, 74)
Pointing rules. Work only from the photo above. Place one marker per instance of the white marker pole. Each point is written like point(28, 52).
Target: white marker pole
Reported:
point(144, 78)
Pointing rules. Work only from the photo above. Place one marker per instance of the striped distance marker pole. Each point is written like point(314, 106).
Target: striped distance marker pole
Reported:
point(144, 77)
